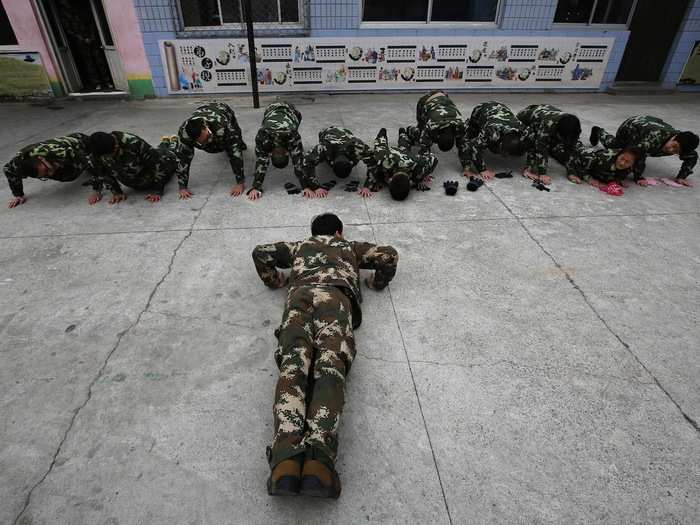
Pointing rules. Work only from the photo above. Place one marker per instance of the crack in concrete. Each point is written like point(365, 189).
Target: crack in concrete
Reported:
point(105, 363)
point(374, 358)
point(588, 302)
point(535, 369)
point(415, 387)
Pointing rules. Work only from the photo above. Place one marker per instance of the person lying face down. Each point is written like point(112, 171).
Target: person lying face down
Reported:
point(546, 127)
point(596, 166)
point(655, 138)
point(397, 169)
point(62, 159)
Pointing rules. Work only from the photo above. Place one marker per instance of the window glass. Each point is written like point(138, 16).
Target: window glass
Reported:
point(231, 11)
point(612, 11)
point(464, 11)
point(573, 11)
point(290, 10)
point(104, 26)
point(200, 13)
point(395, 11)
point(265, 11)
point(7, 35)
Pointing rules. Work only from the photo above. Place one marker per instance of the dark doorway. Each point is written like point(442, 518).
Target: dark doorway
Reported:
point(81, 44)
point(653, 28)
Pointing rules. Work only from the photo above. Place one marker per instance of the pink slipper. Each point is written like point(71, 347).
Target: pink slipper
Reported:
point(613, 189)
point(651, 181)
point(672, 183)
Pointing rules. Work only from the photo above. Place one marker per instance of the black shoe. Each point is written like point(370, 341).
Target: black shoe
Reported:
point(319, 481)
point(285, 479)
point(451, 187)
point(595, 135)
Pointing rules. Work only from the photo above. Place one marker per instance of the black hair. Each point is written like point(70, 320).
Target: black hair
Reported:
point(280, 158)
point(194, 127)
point(399, 186)
point(510, 144)
point(446, 139)
point(634, 150)
point(342, 167)
point(29, 166)
point(687, 140)
point(101, 143)
point(326, 224)
point(569, 128)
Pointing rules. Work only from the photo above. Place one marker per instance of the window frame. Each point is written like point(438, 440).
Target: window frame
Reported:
point(591, 25)
point(429, 23)
point(10, 47)
point(228, 26)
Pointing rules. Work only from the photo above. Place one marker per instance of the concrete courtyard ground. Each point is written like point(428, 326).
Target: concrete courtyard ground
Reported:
point(535, 360)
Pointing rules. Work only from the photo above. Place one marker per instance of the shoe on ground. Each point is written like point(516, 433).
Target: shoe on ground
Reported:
point(319, 481)
point(595, 135)
point(285, 478)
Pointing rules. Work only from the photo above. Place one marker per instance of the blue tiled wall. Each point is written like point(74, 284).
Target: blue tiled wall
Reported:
point(687, 36)
point(341, 18)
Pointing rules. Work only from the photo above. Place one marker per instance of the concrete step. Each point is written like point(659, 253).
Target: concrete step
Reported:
point(639, 88)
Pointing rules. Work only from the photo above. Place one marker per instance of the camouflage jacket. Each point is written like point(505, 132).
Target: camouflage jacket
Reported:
point(136, 164)
point(650, 134)
point(327, 261)
point(280, 128)
point(540, 122)
point(586, 162)
point(67, 154)
point(388, 160)
point(435, 112)
point(225, 136)
point(487, 125)
point(334, 142)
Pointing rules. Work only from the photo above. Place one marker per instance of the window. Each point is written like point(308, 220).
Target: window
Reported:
point(207, 13)
point(7, 35)
point(594, 11)
point(425, 11)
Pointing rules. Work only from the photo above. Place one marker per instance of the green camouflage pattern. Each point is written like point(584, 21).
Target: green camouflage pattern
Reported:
point(225, 136)
point(280, 128)
point(135, 164)
point(322, 309)
point(488, 123)
point(67, 154)
point(435, 112)
point(649, 134)
point(540, 122)
point(586, 163)
point(388, 160)
point(333, 142)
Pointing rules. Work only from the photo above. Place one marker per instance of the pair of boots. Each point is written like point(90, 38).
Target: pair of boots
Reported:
point(304, 475)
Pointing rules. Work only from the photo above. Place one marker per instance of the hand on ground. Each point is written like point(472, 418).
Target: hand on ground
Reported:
point(152, 197)
point(16, 201)
point(237, 189)
point(365, 192)
point(184, 193)
point(117, 197)
point(254, 195)
point(94, 198)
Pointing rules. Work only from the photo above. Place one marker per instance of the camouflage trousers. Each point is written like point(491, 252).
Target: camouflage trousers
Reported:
point(159, 170)
point(315, 353)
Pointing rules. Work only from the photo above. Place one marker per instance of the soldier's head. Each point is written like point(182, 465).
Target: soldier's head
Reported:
point(683, 143)
point(326, 224)
point(569, 129)
point(399, 186)
point(511, 145)
point(446, 139)
point(280, 157)
point(34, 167)
point(197, 130)
point(626, 158)
point(342, 166)
point(101, 143)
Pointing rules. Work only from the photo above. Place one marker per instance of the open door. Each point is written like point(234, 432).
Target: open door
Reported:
point(111, 54)
point(59, 42)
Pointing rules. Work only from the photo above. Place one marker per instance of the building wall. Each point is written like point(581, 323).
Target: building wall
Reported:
point(682, 46)
point(24, 24)
point(338, 18)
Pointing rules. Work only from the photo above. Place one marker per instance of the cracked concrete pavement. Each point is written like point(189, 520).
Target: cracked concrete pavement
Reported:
point(535, 359)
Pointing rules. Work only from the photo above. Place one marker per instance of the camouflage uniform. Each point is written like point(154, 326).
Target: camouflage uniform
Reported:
point(435, 112)
point(586, 163)
point(649, 134)
point(388, 160)
point(135, 164)
point(68, 154)
point(316, 343)
point(489, 122)
point(540, 121)
point(280, 129)
point(332, 143)
point(225, 136)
